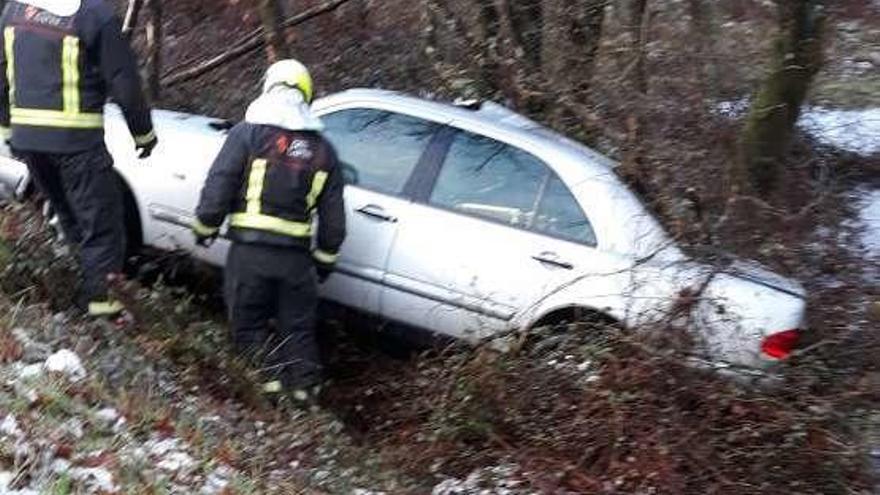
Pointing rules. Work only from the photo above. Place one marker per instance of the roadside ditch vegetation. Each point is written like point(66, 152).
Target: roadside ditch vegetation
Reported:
point(161, 406)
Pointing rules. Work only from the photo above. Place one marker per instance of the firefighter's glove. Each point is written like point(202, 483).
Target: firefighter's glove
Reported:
point(145, 145)
point(324, 263)
point(324, 271)
point(205, 240)
point(205, 235)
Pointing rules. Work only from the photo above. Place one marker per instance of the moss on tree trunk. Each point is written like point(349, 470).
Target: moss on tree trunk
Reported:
point(796, 58)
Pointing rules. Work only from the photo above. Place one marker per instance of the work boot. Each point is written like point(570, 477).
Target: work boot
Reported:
point(306, 398)
point(105, 309)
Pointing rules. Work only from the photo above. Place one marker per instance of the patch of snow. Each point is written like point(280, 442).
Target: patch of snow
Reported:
point(107, 417)
point(856, 131)
point(217, 481)
point(9, 427)
point(61, 466)
point(95, 478)
point(30, 371)
point(497, 480)
point(66, 363)
point(74, 428)
point(6, 479)
point(733, 108)
point(869, 216)
point(161, 447)
point(176, 461)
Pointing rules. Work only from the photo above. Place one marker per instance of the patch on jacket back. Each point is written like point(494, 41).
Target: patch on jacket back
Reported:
point(30, 14)
point(298, 149)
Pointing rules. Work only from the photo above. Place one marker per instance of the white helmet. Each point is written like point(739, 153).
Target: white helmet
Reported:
point(290, 73)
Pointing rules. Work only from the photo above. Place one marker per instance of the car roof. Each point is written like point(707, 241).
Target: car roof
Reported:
point(482, 113)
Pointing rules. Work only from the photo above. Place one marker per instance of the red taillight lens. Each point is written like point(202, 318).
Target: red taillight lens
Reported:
point(780, 345)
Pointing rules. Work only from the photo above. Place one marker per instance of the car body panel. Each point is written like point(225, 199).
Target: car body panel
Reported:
point(470, 277)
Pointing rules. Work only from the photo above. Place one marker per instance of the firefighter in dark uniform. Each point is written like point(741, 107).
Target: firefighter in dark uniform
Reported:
point(274, 173)
point(59, 63)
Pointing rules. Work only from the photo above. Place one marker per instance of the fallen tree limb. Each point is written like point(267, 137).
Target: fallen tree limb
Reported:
point(131, 17)
point(253, 41)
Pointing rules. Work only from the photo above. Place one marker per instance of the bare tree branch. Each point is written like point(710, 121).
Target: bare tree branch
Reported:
point(131, 17)
point(253, 41)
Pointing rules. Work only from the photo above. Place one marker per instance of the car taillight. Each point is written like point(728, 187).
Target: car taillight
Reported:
point(780, 345)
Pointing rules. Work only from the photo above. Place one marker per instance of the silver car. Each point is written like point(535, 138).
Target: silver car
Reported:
point(472, 221)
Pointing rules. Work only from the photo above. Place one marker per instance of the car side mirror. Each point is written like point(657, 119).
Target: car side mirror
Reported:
point(221, 125)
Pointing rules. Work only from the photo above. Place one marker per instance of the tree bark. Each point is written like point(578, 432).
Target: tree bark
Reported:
point(271, 17)
point(154, 49)
point(587, 34)
point(638, 25)
point(572, 31)
point(796, 58)
point(490, 28)
point(705, 28)
point(527, 27)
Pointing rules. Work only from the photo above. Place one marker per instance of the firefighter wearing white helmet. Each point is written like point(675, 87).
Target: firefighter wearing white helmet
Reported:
point(291, 74)
point(274, 173)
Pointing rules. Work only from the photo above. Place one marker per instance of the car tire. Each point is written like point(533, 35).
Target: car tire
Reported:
point(571, 330)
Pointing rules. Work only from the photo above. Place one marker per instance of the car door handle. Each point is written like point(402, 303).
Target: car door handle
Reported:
point(377, 212)
point(553, 259)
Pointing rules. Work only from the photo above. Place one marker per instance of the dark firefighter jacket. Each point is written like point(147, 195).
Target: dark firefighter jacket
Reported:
point(56, 74)
point(271, 181)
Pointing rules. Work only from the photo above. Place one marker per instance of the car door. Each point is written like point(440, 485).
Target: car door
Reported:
point(378, 150)
point(167, 184)
point(496, 231)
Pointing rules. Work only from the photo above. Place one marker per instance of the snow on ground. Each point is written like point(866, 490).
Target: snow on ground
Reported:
point(869, 217)
point(856, 131)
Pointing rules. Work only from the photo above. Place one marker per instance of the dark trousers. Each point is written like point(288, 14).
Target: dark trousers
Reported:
point(86, 197)
point(265, 283)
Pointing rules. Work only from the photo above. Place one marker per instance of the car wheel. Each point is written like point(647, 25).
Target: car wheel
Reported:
point(573, 332)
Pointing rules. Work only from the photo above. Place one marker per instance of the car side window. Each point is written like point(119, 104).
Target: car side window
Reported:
point(378, 150)
point(560, 215)
point(489, 179)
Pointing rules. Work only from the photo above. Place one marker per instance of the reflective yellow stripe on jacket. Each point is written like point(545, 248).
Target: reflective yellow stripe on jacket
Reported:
point(253, 218)
point(71, 117)
point(317, 186)
point(70, 74)
point(9, 37)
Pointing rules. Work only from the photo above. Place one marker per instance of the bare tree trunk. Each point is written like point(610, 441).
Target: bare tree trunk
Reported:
point(705, 27)
point(154, 49)
point(587, 35)
point(271, 16)
point(572, 31)
point(526, 19)
point(131, 17)
point(490, 29)
point(638, 25)
point(796, 58)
